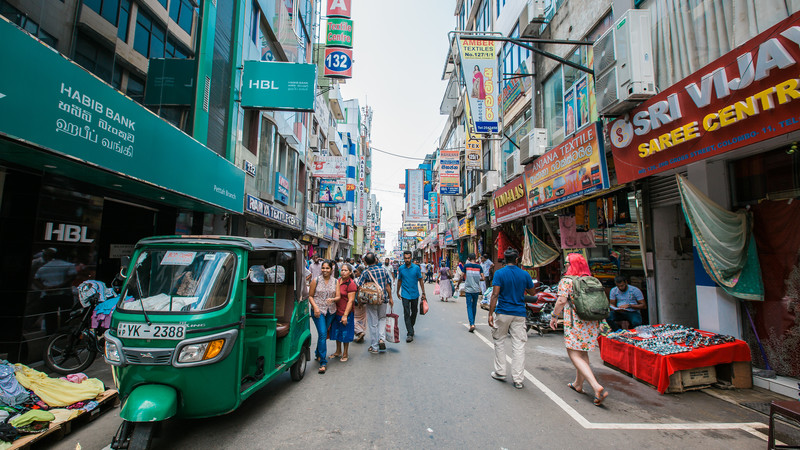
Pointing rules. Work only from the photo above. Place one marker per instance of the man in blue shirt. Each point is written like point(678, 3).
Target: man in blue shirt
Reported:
point(508, 300)
point(630, 301)
point(409, 276)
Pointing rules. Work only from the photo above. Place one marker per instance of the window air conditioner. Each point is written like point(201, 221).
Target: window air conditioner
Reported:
point(537, 145)
point(460, 205)
point(489, 183)
point(532, 17)
point(623, 64)
point(513, 167)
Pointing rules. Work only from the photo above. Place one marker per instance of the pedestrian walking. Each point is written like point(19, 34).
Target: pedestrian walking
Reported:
point(409, 286)
point(316, 268)
point(472, 287)
point(343, 326)
point(486, 265)
point(376, 314)
point(508, 301)
point(580, 336)
point(359, 313)
point(321, 295)
point(445, 283)
point(429, 273)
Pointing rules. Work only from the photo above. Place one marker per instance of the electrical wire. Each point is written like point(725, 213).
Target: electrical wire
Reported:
point(395, 154)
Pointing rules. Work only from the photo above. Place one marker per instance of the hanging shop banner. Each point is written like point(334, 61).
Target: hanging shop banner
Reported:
point(575, 168)
point(415, 210)
point(281, 189)
point(327, 233)
point(479, 68)
point(480, 218)
point(278, 85)
point(449, 178)
point(331, 190)
point(473, 230)
point(261, 208)
point(335, 233)
point(338, 8)
point(492, 217)
point(448, 238)
point(509, 201)
point(746, 96)
point(433, 206)
point(473, 159)
point(338, 63)
point(463, 227)
point(514, 88)
point(582, 102)
point(311, 223)
point(340, 33)
point(329, 166)
point(361, 194)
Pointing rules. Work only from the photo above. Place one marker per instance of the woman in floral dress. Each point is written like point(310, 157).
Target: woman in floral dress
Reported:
point(580, 336)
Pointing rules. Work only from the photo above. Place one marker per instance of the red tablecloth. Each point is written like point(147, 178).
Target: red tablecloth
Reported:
point(656, 369)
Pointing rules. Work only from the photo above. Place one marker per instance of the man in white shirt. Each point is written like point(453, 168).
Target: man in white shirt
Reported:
point(316, 268)
point(486, 265)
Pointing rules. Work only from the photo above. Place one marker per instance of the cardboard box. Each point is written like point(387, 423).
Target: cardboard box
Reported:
point(738, 374)
point(690, 379)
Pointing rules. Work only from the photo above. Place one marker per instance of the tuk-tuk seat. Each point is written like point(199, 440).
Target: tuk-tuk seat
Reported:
point(272, 299)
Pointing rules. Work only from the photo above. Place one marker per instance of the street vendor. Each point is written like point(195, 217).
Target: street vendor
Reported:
point(627, 303)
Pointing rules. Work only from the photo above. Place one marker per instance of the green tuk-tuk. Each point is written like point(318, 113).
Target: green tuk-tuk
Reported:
point(203, 322)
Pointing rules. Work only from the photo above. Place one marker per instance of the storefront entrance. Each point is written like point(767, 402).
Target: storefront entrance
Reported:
point(122, 226)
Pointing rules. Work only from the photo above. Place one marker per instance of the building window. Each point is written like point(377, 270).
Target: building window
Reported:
point(553, 97)
point(23, 21)
point(484, 17)
point(499, 7)
point(163, 3)
point(182, 12)
point(135, 88)
point(267, 147)
point(94, 57)
point(461, 17)
point(175, 50)
point(124, 19)
point(149, 37)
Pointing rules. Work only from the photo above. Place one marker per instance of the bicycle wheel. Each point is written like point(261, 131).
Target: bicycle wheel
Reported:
point(67, 353)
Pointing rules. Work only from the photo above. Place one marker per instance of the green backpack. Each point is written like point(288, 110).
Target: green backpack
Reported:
point(588, 298)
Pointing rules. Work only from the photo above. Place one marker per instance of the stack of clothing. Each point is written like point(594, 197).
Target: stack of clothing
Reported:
point(30, 401)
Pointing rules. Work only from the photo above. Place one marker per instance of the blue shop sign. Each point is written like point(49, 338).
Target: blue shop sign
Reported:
point(261, 208)
point(281, 189)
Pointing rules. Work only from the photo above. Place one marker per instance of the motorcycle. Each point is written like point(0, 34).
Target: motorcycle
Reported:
point(539, 309)
point(75, 347)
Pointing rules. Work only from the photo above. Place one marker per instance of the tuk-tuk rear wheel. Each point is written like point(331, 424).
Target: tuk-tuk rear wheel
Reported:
point(142, 436)
point(298, 370)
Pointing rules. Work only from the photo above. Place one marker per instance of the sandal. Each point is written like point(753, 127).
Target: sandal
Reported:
point(472, 328)
point(336, 355)
point(372, 350)
point(598, 401)
point(343, 359)
point(572, 386)
point(322, 369)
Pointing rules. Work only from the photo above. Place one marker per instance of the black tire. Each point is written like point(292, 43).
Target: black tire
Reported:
point(121, 437)
point(298, 370)
point(67, 353)
point(142, 436)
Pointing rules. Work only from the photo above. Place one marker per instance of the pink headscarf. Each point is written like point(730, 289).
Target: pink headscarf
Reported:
point(577, 265)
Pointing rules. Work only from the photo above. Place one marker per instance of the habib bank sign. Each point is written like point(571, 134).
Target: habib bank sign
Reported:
point(748, 95)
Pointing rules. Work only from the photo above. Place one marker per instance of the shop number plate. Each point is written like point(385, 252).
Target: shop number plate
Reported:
point(144, 331)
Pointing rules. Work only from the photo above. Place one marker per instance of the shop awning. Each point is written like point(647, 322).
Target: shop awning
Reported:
point(724, 241)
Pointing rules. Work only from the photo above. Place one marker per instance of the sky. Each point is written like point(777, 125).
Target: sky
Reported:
point(399, 50)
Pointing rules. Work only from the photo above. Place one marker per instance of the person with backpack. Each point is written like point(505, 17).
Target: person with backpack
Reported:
point(582, 299)
point(375, 283)
point(508, 300)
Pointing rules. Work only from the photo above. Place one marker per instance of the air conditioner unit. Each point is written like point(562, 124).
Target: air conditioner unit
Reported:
point(532, 17)
point(537, 145)
point(313, 141)
point(623, 64)
point(460, 205)
point(479, 191)
point(513, 167)
point(489, 183)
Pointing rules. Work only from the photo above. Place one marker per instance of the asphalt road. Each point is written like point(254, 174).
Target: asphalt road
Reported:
point(436, 392)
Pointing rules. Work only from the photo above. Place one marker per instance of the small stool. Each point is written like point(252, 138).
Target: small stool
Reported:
point(787, 409)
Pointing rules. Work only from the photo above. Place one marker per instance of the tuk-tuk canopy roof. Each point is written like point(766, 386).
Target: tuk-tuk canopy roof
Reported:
point(247, 243)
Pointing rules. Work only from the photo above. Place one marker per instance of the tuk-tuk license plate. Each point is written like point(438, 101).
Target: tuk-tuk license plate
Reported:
point(144, 331)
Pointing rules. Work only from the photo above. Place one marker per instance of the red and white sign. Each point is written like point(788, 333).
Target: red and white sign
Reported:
point(509, 201)
point(329, 166)
point(747, 96)
point(338, 8)
point(338, 63)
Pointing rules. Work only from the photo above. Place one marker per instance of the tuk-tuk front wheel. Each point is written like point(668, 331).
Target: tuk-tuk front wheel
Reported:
point(142, 436)
point(298, 370)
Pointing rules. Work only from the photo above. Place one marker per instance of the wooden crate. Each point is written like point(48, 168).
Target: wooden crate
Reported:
point(738, 374)
point(692, 379)
point(107, 400)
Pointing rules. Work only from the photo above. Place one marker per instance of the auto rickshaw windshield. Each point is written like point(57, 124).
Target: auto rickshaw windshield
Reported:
point(179, 281)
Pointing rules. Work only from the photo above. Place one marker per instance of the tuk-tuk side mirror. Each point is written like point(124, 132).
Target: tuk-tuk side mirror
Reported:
point(124, 262)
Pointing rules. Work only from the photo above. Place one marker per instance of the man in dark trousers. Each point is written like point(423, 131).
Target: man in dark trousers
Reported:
point(508, 297)
point(409, 286)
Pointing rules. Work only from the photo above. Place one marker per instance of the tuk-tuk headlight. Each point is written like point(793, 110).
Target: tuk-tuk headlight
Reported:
point(112, 352)
point(201, 351)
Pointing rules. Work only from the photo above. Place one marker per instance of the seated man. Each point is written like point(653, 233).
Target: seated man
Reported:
point(630, 301)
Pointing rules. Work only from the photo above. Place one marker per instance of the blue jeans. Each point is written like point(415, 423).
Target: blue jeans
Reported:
point(472, 303)
point(634, 317)
point(323, 324)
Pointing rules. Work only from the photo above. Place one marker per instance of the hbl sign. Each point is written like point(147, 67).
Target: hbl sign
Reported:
point(278, 85)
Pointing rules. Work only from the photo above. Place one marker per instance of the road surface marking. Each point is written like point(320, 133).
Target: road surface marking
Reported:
point(749, 427)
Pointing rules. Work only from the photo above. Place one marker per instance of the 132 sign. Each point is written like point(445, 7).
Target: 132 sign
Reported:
point(338, 63)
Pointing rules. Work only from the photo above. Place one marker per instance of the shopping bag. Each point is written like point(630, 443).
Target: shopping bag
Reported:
point(392, 328)
point(423, 307)
point(436, 290)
